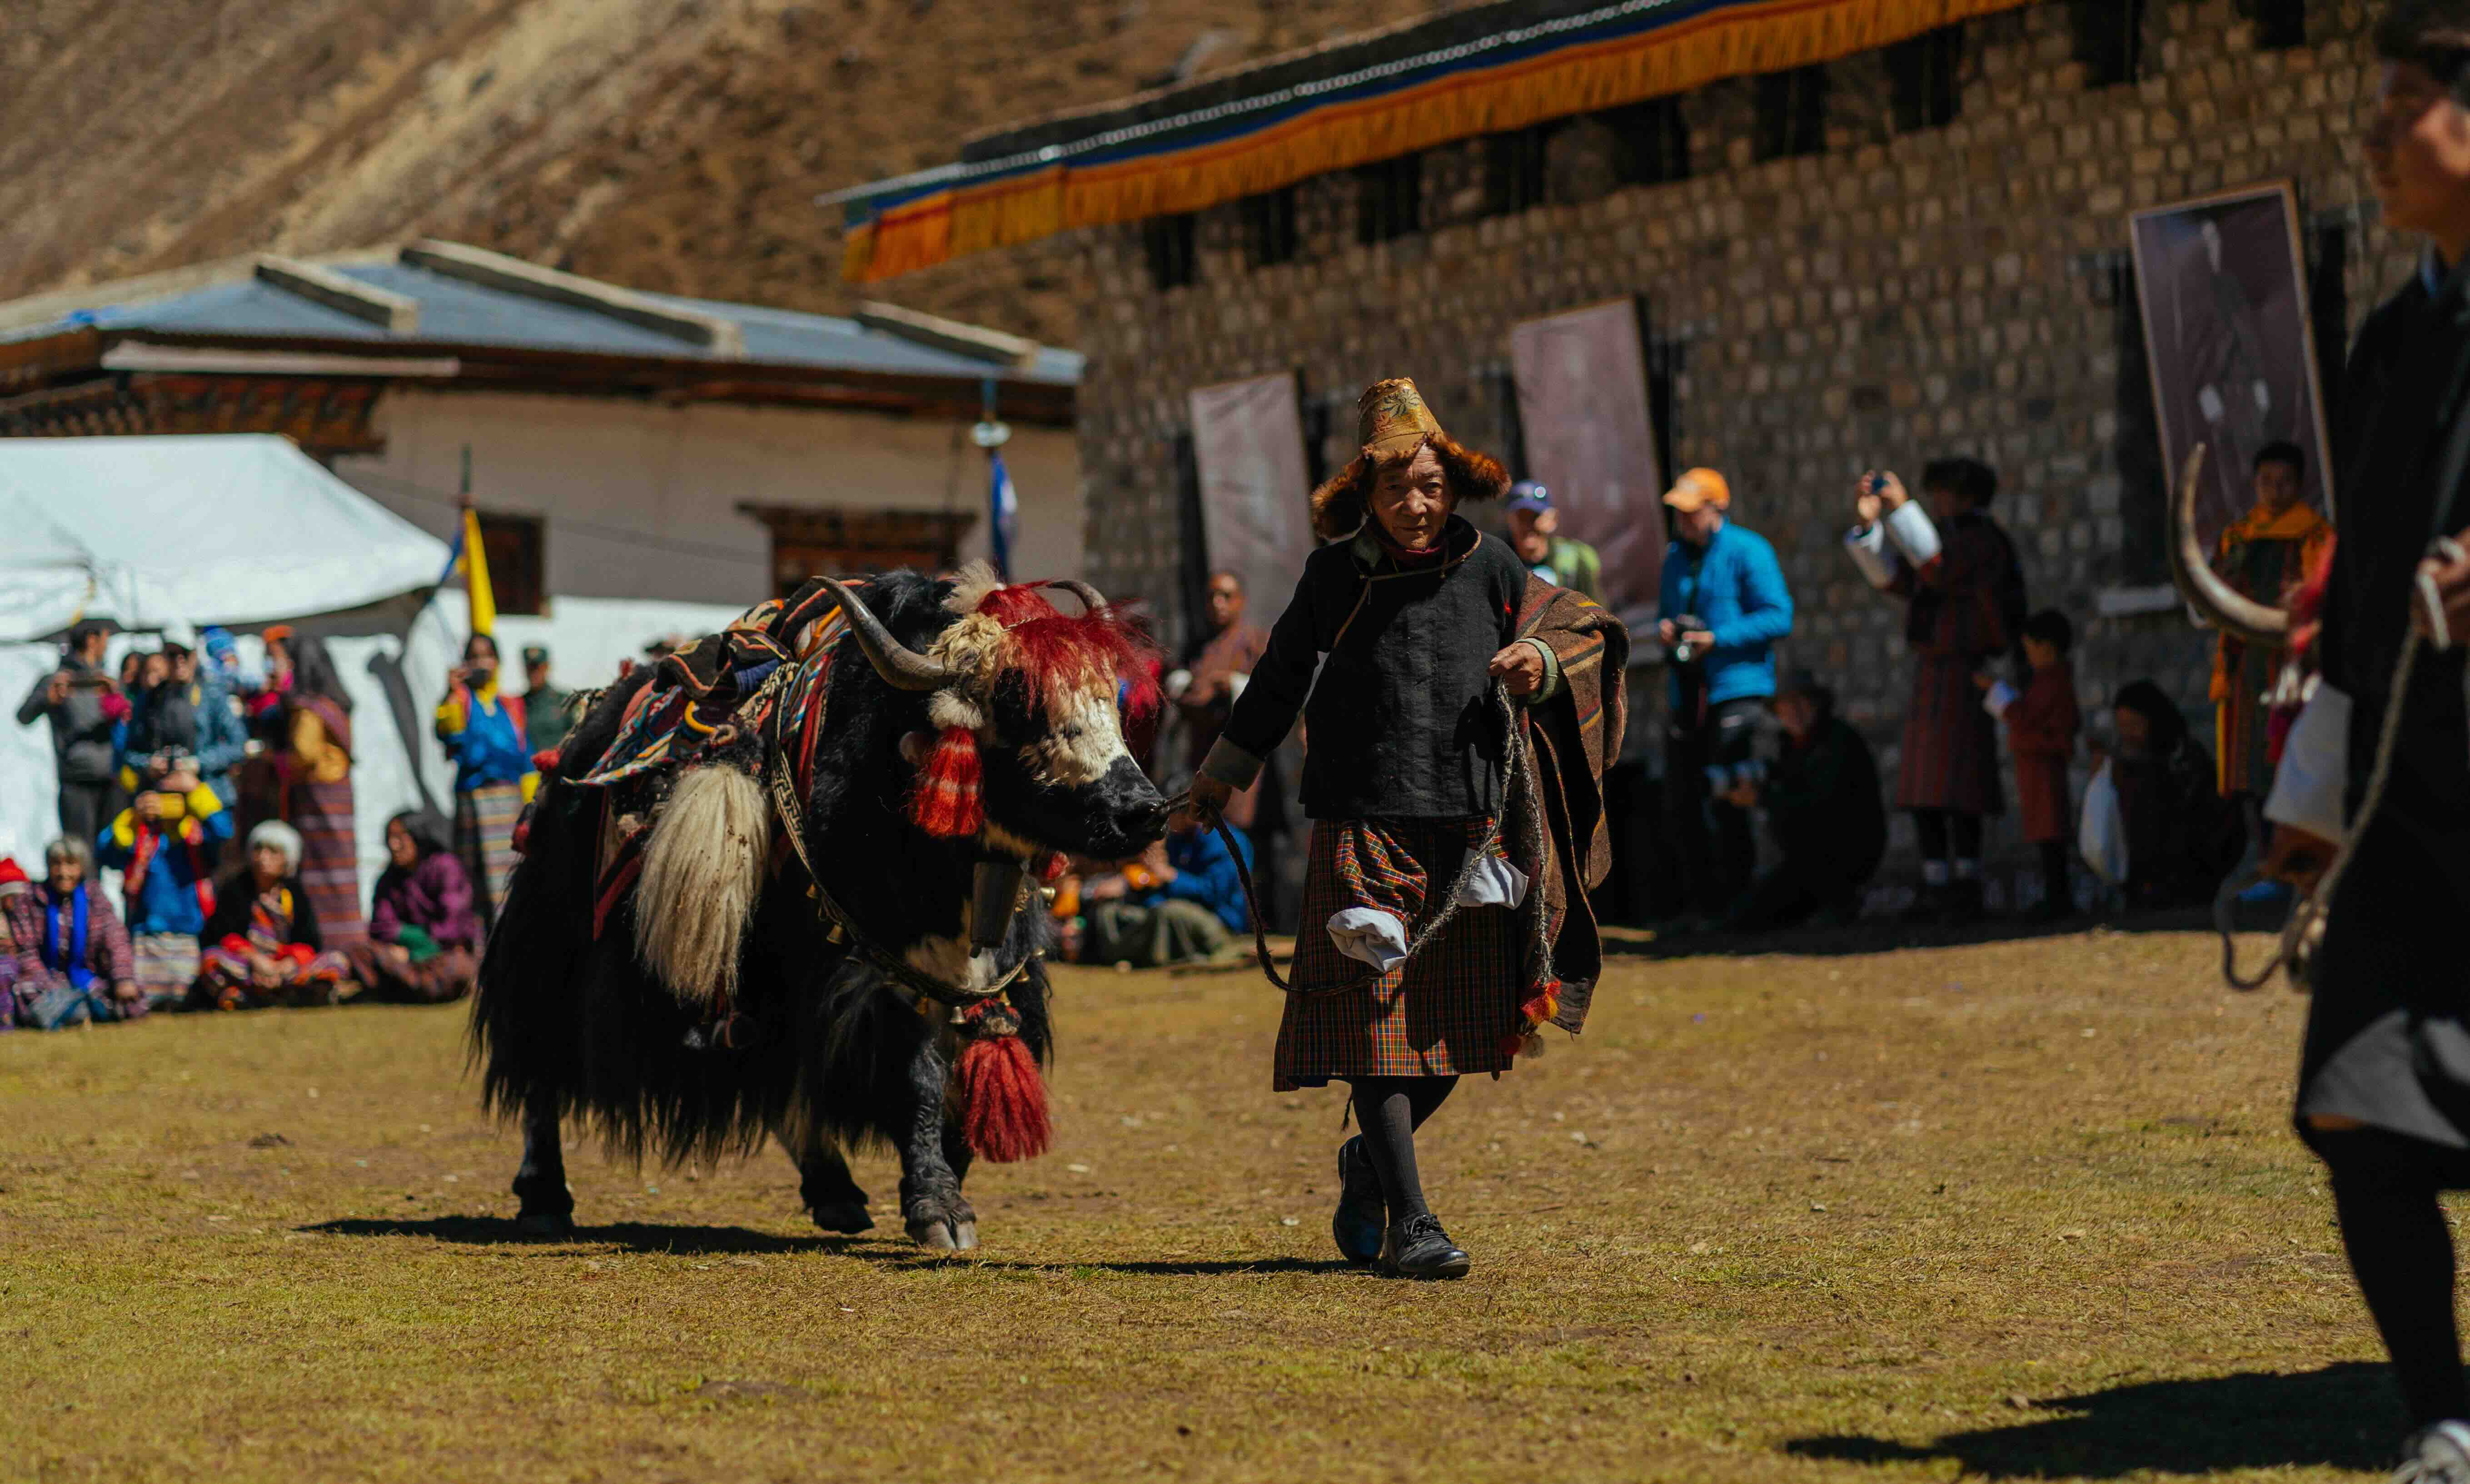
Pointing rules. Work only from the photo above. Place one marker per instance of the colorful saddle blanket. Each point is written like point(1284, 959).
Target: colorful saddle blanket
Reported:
point(731, 684)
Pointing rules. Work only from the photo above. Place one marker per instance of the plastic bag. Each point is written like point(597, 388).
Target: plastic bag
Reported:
point(2102, 836)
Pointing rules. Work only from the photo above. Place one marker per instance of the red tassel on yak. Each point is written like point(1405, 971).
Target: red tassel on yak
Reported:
point(1003, 1100)
point(945, 804)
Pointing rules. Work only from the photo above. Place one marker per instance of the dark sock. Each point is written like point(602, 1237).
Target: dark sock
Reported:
point(1964, 835)
point(2054, 873)
point(1929, 829)
point(1387, 1109)
point(2400, 1252)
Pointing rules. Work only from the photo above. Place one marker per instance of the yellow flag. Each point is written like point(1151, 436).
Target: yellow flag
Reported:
point(475, 576)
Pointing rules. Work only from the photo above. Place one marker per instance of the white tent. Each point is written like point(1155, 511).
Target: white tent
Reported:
point(244, 531)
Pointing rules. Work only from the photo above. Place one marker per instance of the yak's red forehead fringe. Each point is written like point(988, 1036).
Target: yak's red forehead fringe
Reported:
point(1054, 651)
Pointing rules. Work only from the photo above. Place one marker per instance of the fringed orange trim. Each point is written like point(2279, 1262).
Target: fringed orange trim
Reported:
point(1532, 1018)
point(1669, 58)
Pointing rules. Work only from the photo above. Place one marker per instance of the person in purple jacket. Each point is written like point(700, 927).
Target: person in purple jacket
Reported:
point(424, 934)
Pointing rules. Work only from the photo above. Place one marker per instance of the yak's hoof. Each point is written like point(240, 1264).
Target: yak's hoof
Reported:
point(847, 1217)
point(546, 1223)
point(943, 1234)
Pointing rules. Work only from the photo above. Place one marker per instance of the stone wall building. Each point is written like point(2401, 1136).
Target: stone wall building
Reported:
point(1863, 267)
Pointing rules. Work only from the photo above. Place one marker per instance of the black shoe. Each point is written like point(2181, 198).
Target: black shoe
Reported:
point(1418, 1247)
point(1361, 1217)
point(1962, 905)
point(1929, 905)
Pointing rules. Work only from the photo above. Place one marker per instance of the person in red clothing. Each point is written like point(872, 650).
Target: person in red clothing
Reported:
point(2041, 726)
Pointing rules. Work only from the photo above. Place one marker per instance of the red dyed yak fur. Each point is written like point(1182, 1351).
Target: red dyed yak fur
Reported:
point(1107, 647)
point(1003, 1100)
point(2307, 602)
point(945, 803)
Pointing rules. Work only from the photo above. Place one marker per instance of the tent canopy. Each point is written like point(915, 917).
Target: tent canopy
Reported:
point(233, 528)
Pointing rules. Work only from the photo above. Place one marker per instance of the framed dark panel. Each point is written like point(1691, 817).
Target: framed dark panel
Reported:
point(2279, 24)
point(2109, 39)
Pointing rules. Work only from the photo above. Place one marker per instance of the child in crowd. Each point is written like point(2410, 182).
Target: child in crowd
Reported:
point(2041, 726)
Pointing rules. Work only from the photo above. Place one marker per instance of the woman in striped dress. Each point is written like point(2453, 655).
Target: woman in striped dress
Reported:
point(484, 732)
point(315, 766)
point(1418, 614)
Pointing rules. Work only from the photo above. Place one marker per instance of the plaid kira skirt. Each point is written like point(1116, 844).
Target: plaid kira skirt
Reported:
point(484, 838)
point(1444, 1012)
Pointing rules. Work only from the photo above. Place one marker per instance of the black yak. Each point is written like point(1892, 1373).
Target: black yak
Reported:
point(687, 966)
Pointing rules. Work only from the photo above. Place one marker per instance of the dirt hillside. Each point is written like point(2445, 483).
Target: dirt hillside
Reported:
point(667, 143)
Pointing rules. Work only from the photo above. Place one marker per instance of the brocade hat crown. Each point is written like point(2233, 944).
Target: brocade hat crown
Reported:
point(1391, 419)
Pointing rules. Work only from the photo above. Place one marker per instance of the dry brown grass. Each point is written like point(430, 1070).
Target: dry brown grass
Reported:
point(2024, 1209)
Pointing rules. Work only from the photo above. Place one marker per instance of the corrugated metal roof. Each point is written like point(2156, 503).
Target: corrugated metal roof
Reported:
point(455, 312)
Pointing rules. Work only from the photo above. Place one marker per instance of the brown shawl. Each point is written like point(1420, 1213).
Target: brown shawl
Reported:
point(1574, 736)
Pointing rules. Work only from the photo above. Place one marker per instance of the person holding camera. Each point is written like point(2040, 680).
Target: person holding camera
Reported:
point(166, 845)
point(1963, 589)
point(73, 697)
point(1724, 604)
point(483, 728)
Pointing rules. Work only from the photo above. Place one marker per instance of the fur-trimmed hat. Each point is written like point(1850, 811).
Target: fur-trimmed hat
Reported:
point(1391, 424)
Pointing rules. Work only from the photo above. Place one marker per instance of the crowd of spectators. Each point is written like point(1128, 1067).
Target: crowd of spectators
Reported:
point(224, 797)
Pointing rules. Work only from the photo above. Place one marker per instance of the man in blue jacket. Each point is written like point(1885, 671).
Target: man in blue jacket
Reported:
point(1723, 604)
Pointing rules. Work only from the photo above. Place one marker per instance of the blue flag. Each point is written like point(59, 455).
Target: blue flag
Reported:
point(1003, 509)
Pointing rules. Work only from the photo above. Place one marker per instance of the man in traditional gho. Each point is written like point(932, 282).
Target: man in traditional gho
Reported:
point(1964, 596)
point(2383, 1089)
point(2263, 554)
point(1419, 614)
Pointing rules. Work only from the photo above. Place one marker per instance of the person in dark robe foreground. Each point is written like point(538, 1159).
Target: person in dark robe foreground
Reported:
point(2384, 1088)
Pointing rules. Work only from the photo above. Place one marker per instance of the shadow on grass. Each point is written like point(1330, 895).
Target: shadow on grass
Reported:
point(473, 1231)
point(889, 1248)
point(1879, 935)
point(2341, 1416)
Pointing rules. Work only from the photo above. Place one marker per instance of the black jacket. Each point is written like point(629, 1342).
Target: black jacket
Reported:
point(1823, 802)
point(2407, 390)
point(234, 895)
point(1402, 725)
point(81, 732)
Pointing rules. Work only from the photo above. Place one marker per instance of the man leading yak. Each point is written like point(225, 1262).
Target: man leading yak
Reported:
point(1415, 782)
point(2379, 762)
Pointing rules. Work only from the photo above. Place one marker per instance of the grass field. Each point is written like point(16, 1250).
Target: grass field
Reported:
point(2026, 1209)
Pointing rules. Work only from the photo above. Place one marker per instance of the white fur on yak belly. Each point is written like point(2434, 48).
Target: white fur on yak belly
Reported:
point(702, 871)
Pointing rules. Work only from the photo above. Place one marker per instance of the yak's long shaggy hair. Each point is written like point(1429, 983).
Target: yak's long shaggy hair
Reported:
point(1343, 501)
point(702, 868)
point(579, 1024)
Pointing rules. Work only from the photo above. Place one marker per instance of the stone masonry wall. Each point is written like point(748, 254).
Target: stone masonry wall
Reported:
point(1894, 298)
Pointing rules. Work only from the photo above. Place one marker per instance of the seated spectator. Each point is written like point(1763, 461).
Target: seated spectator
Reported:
point(2178, 842)
point(74, 963)
point(424, 934)
point(13, 888)
point(1823, 809)
point(1152, 912)
point(167, 844)
point(2041, 726)
point(261, 946)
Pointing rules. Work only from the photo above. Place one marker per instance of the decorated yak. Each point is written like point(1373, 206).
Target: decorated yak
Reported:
point(774, 887)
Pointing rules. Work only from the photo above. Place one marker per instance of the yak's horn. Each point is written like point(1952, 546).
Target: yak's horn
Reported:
point(2215, 601)
point(1090, 597)
point(905, 668)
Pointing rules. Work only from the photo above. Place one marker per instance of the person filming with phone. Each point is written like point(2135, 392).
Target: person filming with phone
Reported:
point(1723, 606)
point(74, 697)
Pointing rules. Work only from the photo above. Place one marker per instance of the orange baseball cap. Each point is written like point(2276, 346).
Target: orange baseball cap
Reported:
point(1698, 489)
